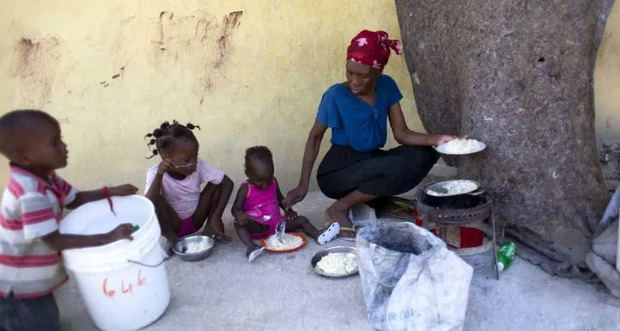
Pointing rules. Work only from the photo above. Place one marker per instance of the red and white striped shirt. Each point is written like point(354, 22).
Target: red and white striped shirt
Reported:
point(31, 208)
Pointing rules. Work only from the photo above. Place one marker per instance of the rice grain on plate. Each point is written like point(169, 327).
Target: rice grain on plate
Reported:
point(288, 242)
point(337, 263)
point(460, 146)
point(197, 246)
point(454, 187)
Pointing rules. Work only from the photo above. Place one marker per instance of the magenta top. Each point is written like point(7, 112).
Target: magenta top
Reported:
point(263, 207)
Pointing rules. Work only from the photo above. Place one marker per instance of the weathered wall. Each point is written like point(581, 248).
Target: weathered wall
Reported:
point(518, 75)
point(249, 72)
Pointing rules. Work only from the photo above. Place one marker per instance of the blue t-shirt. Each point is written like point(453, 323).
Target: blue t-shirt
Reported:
point(354, 122)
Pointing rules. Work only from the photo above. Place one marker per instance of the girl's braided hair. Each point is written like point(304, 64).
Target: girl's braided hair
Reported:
point(163, 137)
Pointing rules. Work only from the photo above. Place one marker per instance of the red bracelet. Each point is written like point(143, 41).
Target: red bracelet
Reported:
point(106, 193)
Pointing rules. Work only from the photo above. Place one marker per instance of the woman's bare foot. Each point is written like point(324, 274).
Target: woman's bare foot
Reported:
point(341, 216)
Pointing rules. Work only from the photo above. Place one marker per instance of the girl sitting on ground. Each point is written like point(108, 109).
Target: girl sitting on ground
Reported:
point(174, 186)
point(257, 206)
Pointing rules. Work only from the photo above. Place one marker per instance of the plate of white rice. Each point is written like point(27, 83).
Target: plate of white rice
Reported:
point(337, 261)
point(290, 242)
point(460, 146)
point(452, 187)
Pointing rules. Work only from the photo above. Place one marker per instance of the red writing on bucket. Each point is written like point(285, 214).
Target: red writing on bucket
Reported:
point(126, 287)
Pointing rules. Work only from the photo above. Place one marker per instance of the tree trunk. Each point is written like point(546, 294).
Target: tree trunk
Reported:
point(517, 75)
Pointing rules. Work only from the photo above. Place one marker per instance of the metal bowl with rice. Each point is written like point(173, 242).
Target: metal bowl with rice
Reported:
point(345, 251)
point(194, 247)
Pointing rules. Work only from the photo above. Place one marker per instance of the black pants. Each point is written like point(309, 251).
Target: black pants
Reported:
point(36, 314)
point(379, 173)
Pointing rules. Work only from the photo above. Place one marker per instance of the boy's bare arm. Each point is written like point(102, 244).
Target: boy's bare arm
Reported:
point(94, 195)
point(237, 208)
point(59, 241)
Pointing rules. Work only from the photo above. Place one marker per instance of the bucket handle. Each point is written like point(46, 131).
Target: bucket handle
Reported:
point(150, 265)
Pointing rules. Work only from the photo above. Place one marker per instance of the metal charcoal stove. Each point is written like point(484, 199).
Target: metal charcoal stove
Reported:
point(473, 210)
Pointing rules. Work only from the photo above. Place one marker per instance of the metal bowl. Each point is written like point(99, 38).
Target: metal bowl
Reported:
point(180, 247)
point(440, 187)
point(335, 249)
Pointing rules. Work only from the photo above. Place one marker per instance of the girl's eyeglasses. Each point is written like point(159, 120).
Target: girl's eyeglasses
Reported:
point(187, 165)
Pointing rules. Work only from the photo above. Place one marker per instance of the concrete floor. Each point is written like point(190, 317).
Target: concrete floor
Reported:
point(281, 292)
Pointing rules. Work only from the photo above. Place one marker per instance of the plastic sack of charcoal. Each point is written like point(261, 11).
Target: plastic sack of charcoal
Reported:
point(410, 280)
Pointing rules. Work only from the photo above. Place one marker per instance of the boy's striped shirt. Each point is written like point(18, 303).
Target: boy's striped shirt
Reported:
point(31, 208)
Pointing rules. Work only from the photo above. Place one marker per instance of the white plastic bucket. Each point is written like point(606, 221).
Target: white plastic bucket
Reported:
point(124, 283)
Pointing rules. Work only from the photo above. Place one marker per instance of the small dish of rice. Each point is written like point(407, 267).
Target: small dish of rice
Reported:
point(461, 146)
point(290, 242)
point(335, 262)
point(451, 187)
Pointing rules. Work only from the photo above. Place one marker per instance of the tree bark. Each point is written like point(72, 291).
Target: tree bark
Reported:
point(517, 75)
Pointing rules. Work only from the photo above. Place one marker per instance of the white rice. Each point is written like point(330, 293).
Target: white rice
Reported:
point(460, 146)
point(337, 263)
point(289, 241)
point(454, 187)
point(197, 246)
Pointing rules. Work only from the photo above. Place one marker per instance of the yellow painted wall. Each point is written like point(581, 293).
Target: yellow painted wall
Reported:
point(607, 81)
point(249, 72)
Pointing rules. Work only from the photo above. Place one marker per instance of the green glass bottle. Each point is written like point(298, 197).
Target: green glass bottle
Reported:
point(506, 255)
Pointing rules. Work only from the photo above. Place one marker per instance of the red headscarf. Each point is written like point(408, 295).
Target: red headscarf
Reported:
point(372, 48)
